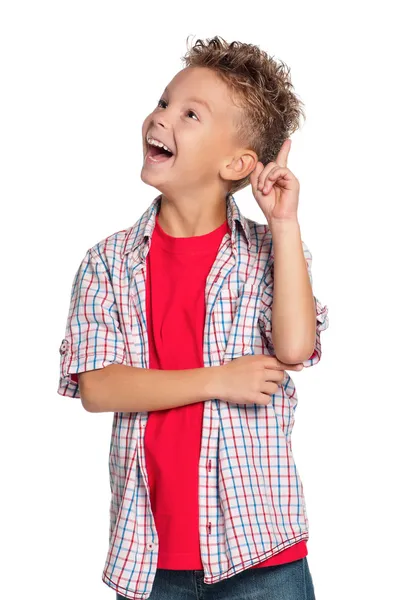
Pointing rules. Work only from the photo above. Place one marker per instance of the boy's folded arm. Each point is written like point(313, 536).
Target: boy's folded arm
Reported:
point(93, 355)
point(122, 388)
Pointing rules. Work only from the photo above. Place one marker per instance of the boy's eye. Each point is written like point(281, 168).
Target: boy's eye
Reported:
point(189, 111)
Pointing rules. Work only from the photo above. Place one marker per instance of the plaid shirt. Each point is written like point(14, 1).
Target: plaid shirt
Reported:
point(251, 500)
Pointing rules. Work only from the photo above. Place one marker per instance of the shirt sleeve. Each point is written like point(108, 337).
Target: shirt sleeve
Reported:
point(322, 318)
point(93, 338)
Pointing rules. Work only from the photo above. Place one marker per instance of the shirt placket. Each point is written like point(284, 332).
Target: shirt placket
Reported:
point(210, 519)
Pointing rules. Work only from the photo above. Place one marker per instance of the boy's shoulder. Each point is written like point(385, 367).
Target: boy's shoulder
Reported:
point(260, 234)
point(114, 246)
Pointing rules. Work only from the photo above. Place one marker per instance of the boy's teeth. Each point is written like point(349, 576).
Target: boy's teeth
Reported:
point(153, 142)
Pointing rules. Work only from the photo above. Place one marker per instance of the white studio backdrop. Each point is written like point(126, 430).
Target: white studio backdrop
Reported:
point(78, 79)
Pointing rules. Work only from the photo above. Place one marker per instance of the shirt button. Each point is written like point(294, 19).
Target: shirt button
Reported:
point(63, 347)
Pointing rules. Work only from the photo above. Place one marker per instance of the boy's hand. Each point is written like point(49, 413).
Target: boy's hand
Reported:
point(251, 379)
point(276, 189)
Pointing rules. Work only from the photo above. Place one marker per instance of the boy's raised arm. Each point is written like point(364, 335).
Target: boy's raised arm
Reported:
point(294, 318)
point(297, 317)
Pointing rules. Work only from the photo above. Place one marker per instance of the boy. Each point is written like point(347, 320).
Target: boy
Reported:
point(184, 326)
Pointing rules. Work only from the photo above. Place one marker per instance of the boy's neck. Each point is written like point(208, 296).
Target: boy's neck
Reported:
point(191, 219)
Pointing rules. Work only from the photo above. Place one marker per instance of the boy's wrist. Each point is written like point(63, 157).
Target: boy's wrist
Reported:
point(284, 227)
point(213, 382)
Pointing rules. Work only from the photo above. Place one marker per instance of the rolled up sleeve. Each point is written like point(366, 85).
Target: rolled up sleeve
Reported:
point(93, 338)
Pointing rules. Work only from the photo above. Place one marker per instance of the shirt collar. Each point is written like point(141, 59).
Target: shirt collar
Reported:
point(144, 227)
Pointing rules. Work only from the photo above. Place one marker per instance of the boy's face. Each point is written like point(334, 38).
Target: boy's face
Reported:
point(195, 120)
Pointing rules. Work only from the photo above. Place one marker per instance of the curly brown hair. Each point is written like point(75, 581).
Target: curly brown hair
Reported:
point(262, 87)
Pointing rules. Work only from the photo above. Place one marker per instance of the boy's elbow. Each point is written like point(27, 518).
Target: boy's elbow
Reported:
point(87, 402)
point(88, 406)
point(94, 387)
point(293, 357)
point(292, 353)
point(88, 392)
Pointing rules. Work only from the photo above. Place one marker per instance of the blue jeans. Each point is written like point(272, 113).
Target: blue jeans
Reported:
point(288, 581)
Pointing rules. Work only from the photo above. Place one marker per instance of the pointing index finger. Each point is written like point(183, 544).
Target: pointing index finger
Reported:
point(283, 153)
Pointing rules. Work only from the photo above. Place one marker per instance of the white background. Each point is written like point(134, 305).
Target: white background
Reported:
point(78, 79)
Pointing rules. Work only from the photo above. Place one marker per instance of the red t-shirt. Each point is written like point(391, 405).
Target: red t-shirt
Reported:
point(177, 269)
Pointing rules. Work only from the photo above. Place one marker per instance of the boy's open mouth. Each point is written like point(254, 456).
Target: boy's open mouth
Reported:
point(156, 154)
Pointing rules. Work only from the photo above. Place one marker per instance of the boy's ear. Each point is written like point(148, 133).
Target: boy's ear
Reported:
point(239, 166)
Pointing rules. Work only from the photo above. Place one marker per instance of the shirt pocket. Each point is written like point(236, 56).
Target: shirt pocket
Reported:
point(242, 317)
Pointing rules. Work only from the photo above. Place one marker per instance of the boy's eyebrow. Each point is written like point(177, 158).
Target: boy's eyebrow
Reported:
point(200, 101)
point(194, 99)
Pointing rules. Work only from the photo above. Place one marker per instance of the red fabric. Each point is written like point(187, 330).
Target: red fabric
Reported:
point(177, 269)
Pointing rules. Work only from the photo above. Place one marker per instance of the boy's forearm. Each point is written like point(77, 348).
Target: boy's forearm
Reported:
point(121, 388)
point(293, 308)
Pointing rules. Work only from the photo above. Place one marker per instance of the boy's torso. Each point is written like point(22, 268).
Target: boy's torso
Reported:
point(240, 512)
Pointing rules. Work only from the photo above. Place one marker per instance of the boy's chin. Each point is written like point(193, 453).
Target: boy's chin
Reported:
point(154, 179)
point(148, 176)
